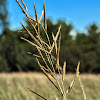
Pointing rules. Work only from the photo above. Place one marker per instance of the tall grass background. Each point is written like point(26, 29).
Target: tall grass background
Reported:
point(13, 87)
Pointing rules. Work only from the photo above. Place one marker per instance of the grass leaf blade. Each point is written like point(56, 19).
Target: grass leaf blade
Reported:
point(37, 94)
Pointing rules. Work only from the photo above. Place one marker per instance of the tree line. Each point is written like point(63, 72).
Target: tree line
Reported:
point(84, 47)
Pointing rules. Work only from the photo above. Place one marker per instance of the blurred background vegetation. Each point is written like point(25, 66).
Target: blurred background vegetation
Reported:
point(83, 47)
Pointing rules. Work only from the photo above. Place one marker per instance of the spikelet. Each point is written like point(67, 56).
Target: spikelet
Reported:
point(36, 17)
point(24, 4)
point(64, 71)
point(45, 24)
point(58, 50)
point(41, 16)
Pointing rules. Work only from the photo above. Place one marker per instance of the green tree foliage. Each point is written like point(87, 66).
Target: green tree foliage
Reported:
point(94, 34)
point(13, 51)
point(3, 30)
point(3, 15)
point(89, 46)
point(81, 39)
point(85, 47)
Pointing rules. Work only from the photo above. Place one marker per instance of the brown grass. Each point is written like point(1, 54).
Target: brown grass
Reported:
point(45, 51)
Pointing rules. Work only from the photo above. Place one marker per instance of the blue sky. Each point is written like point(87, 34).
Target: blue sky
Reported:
point(80, 13)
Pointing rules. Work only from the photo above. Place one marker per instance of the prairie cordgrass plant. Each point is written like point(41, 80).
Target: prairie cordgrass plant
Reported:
point(46, 49)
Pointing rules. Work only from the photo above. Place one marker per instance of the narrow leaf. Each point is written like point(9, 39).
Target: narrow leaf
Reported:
point(37, 94)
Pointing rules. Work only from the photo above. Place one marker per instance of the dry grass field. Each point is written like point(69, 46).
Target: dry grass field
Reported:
point(14, 87)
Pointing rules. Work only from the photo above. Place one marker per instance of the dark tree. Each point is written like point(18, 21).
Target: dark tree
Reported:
point(94, 34)
point(3, 15)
